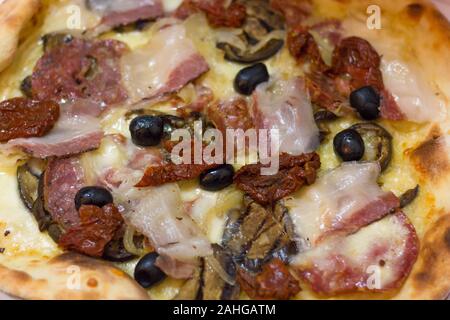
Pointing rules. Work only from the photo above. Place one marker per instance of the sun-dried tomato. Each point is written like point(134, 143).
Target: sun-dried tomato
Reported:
point(159, 175)
point(232, 16)
point(355, 57)
point(97, 227)
point(304, 48)
point(232, 114)
point(24, 118)
point(294, 172)
point(273, 282)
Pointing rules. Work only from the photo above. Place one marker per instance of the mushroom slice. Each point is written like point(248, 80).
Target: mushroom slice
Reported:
point(260, 38)
point(28, 185)
point(377, 141)
point(236, 55)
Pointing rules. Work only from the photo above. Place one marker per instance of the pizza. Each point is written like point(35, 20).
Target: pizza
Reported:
point(224, 149)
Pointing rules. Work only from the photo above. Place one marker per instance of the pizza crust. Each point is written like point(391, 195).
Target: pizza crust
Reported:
point(14, 15)
point(68, 277)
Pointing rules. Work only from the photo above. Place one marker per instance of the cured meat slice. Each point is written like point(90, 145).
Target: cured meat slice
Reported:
point(166, 64)
point(80, 68)
point(62, 180)
point(341, 202)
point(285, 106)
point(377, 258)
point(75, 132)
point(122, 12)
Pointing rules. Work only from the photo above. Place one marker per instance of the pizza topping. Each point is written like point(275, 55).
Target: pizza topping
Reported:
point(63, 178)
point(220, 13)
point(341, 202)
point(409, 196)
point(367, 102)
point(93, 196)
point(171, 172)
point(273, 282)
point(97, 227)
point(294, 172)
point(75, 132)
point(232, 114)
point(147, 131)
point(80, 69)
point(260, 37)
point(377, 142)
point(166, 64)
point(146, 273)
point(377, 258)
point(28, 184)
point(217, 179)
point(303, 47)
point(256, 235)
point(158, 214)
point(24, 118)
point(349, 145)
point(409, 95)
point(123, 12)
point(357, 58)
point(285, 106)
point(250, 77)
point(295, 12)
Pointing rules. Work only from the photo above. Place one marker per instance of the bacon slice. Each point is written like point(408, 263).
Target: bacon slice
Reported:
point(377, 258)
point(285, 106)
point(341, 202)
point(166, 64)
point(74, 133)
point(123, 12)
point(157, 213)
point(62, 180)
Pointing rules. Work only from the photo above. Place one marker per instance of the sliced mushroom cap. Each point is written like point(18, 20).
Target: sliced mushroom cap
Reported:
point(409, 196)
point(377, 141)
point(260, 37)
point(322, 118)
point(28, 184)
point(115, 251)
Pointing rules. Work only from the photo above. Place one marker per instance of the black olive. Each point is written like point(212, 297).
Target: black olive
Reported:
point(146, 272)
point(366, 101)
point(26, 87)
point(147, 131)
point(96, 196)
point(218, 178)
point(249, 78)
point(349, 145)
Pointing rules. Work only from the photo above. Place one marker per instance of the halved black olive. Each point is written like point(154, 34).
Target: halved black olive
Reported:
point(218, 178)
point(377, 141)
point(349, 145)
point(93, 195)
point(146, 273)
point(249, 78)
point(26, 87)
point(236, 55)
point(28, 185)
point(53, 40)
point(409, 196)
point(116, 252)
point(366, 101)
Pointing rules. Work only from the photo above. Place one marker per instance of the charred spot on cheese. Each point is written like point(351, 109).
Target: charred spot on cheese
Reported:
point(430, 158)
point(258, 39)
point(415, 10)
